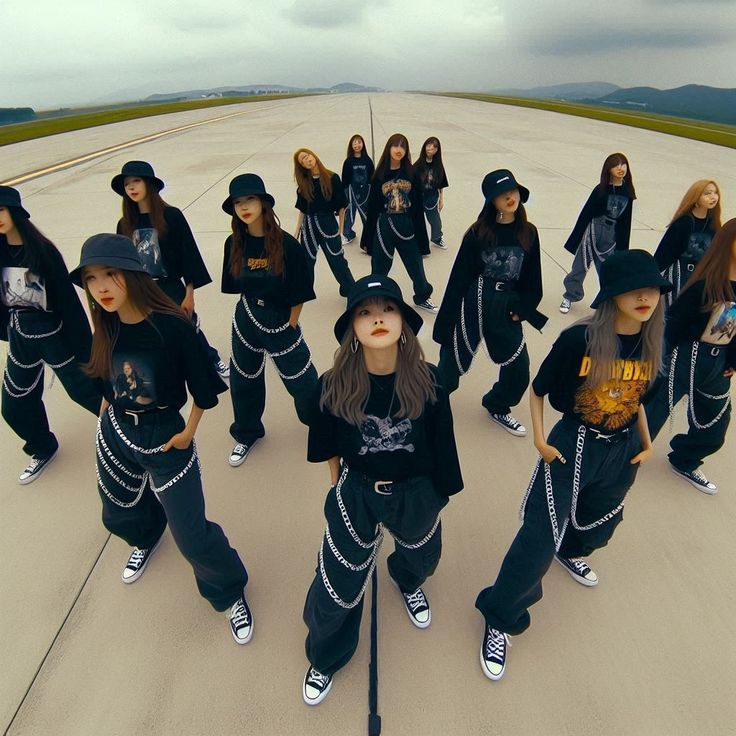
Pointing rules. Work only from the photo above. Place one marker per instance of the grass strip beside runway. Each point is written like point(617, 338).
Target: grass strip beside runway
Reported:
point(51, 126)
point(699, 130)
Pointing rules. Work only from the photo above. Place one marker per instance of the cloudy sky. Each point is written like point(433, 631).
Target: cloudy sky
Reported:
point(73, 52)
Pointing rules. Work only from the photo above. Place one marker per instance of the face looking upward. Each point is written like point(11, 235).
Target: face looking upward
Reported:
point(377, 324)
point(135, 188)
point(619, 171)
point(709, 198)
point(249, 209)
point(507, 203)
point(307, 161)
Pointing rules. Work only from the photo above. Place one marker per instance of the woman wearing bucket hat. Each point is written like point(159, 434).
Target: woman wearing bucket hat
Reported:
point(395, 222)
point(603, 226)
point(43, 322)
point(495, 285)
point(701, 339)
point(269, 270)
point(164, 241)
point(595, 375)
point(383, 425)
point(689, 233)
point(145, 355)
point(319, 197)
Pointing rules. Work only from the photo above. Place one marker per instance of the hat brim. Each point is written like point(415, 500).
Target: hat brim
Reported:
point(642, 283)
point(227, 205)
point(410, 316)
point(15, 208)
point(118, 182)
point(123, 264)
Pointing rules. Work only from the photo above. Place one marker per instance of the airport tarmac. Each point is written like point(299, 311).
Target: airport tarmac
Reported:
point(648, 652)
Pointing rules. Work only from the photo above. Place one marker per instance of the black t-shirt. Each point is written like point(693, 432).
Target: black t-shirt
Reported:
point(385, 447)
point(686, 238)
point(319, 204)
point(686, 321)
point(357, 173)
point(294, 286)
point(430, 177)
point(154, 362)
point(173, 256)
point(610, 201)
point(50, 290)
point(613, 405)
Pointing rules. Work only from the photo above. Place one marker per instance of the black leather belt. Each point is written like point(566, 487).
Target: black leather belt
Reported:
point(138, 418)
point(504, 286)
point(612, 438)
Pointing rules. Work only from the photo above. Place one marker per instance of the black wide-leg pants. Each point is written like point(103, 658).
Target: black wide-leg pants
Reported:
point(356, 516)
point(561, 514)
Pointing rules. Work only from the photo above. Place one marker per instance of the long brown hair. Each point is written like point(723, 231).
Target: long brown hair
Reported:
point(614, 160)
point(421, 166)
point(604, 347)
point(145, 296)
point(274, 239)
point(692, 195)
point(484, 228)
point(346, 386)
point(714, 268)
point(156, 205)
point(303, 177)
point(384, 163)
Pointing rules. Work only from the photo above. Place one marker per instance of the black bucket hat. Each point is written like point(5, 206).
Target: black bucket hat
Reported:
point(10, 197)
point(246, 185)
point(629, 270)
point(500, 181)
point(135, 168)
point(376, 286)
point(105, 249)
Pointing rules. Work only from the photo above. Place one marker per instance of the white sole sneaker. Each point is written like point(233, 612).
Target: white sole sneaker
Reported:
point(143, 567)
point(24, 479)
point(710, 489)
point(520, 431)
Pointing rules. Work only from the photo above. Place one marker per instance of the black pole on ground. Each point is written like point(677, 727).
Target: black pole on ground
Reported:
point(374, 720)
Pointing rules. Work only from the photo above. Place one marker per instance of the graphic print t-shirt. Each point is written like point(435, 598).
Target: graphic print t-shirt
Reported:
point(396, 194)
point(610, 407)
point(721, 327)
point(386, 447)
point(22, 289)
point(615, 205)
point(145, 239)
point(503, 263)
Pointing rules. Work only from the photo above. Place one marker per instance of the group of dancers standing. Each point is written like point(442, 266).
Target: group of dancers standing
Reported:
point(380, 417)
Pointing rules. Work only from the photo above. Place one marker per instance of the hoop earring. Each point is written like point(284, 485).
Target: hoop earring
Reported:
point(403, 338)
point(354, 346)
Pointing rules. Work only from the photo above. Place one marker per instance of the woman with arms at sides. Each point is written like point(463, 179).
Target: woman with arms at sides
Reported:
point(357, 170)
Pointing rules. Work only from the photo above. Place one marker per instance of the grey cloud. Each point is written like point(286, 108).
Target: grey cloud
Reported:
point(325, 14)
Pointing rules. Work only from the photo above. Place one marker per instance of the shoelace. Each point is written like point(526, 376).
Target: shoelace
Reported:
point(136, 559)
point(239, 613)
point(698, 476)
point(239, 450)
point(580, 566)
point(496, 645)
point(416, 600)
point(31, 468)
point(508, 419)
point(317, 679)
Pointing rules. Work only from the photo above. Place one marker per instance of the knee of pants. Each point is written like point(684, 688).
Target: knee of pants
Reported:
point(594, 539)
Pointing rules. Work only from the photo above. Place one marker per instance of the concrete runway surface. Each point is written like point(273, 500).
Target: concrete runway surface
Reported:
point(649, 651)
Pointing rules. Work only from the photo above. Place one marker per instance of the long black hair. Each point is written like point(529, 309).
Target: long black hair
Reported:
point(39, 250)
point(485, 227)
point(616, 159)
point(421, 167)
point(384, 163)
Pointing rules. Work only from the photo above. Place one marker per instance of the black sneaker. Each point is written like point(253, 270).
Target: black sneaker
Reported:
point(223, 370)
point(509, 424)
point(579, 570)
point(241, 620)
point(417, 607)
point(694, 478)
point(440, 244)
point(315, 686)
point(137, 562)
point(429, 306)
point(35, 468)
point(239, 453)
point(493, 653)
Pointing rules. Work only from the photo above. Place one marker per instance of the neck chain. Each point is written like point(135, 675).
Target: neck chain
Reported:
point(381, 388)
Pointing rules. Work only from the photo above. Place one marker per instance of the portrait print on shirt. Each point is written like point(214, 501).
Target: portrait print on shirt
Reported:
point(615, 403)
point(502, 263)
point(360, 176)
point(397, 194)
point(380, 434)
point(145, 240)
point(697, 244)
point(615, 205)
point(22, 289)
point(133, 382)
point(721, 327)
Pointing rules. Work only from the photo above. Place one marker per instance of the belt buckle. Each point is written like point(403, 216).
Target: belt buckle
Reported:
point(260, 303)
point(690, 267)
point(715, 351)
point(133, 414)
point(383, 483)
point(500, 286)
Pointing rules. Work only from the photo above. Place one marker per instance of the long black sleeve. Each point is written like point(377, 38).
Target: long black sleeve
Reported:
point(529, 286)
point(674, 242)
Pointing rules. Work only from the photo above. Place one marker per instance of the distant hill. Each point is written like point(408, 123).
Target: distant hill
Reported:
point(573, 91)
point(256, 89)
point(697, 101)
